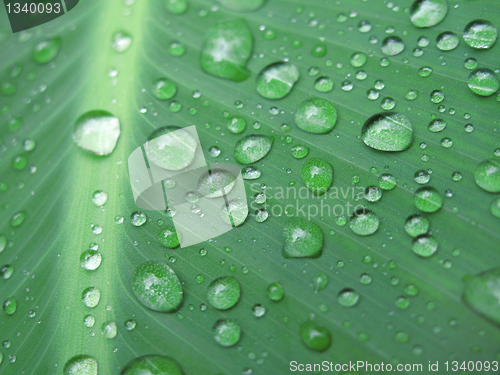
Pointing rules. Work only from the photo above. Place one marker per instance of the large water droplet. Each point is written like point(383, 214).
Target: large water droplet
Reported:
point(216, 183)
point(487, 175)
point(227, 47)
point(392, 45)
point(348, 297)
point(388, 132)
point(252, 148)
point(364, 222)
point(428, 13)
point(303, 239)
point(10, 306)
point(275, 292)
point(90, 260)
point(97, 132)
point(447, 41)
point(424, 246)
point(482, 294)
point(164, 89)
point(171, 148)
point(152, 365)
point(428, 199)
point(121, 41)
point(226, 332)
point(315, 337)
point(236, 124)
point(317, 175)
point(480, 34)
point(169, 237)
point(276, 81)
point(316, 116)
point(416, 225)
point(223, 293)
point(99, 198)
point(81, 365)
point(483, 82)
point(157, 287)
point(46, 50)
point(91, 297)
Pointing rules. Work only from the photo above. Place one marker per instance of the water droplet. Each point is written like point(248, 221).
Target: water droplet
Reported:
point(252, 148)
point(495, 208)
point(392, 45)
point(89, 321)
point(20, 162)
point(303, 239)
point(480, 34)
point(261, 215)
point(487, 175)
point(250, 173)
point(109, 330)
point(214, 151)
point(91, 297)
point(216, 183)
point(3, 242)
point(388, 104)
point(364, 222)
point(171, 148)
point(481, 293)
point(316, 116)
point(157, 287)
point(470, 63)
point(320, 281)
point(234, 212)
point(121, 41)
point(275, 292)
point(317, 175)
point(428, 199)
point(300, 151)
point(276, 81)
point(226, 332)
point(424, 246)
point(373, 194)
point(164, 89)
point(258, 311)
point(6, 271)
point(17, 219)
point(402, 302)
point(138, 218)
point(387, 182)
point(348, 297)
point(436, 125)
point(227, 47)
point(424, 71)
point(428, 13)
point(388, 132)
point(176, 49)
point(416, 225)
point(176, 6)
point(422, 177)
point(90, 260)
point(483, 82)
point(402, 336)
point(169, 237)
point(364, 26)
point(437, 96)
point(81, 365)
point(236, 124)
point(46, 50)
point(97, 132)
point(358, 59)
point(99, 198)
point(152, 364)
point(323, 84)
point(10, 306)
point(315, 337)
point(447, 41)
point(223, 293)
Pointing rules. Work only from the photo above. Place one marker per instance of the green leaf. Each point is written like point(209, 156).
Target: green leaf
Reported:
point(67, 308)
